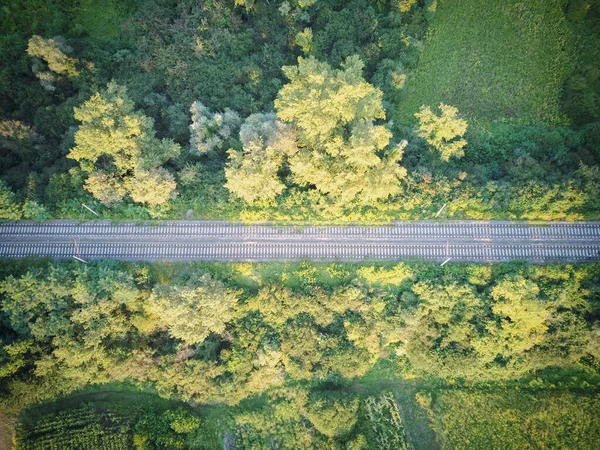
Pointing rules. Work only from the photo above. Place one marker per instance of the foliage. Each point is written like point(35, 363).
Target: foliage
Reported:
point(325, 106)
point(9, 208)
point(172, 55)
point(509, 64)
point(34, 211)
point(517, 420)
point(405, 5)
point(192, 311)
point(53, 52)
point(210, 132)
point(332, 413)
point(205, 338)
point(387, 277)
point(441, 132)
point(252, 173)
point(154, 430)
point(116, 147)
point(292, 348)
point(457, 332)
point(304, 39)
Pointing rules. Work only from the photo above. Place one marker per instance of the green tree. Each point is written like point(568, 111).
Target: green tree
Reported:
point(302, 350)
point(405, 5)
point(83, 320)
point(152, 187)
point(211, 131)
point(109, 188)
point(193, 311)
point(15, 356)
point(54, 53)
point(521, 319)
point(34, 211)
point(277, 305)
point(116, 147)
point(457, 332)
point(439, 336)
point(9, 208)
point(252, 174)
point(304, 39)
point(182, 421)
point(333, 414)
point(441, 132)
point(334, 112)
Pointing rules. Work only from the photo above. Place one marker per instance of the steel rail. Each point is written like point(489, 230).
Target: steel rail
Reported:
point(221, 241)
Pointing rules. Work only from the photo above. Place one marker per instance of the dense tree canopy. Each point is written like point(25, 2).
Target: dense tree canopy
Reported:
point(333, 414)
point(339, 134)
point(193, 311)
point(441, 132)
point(253, 173)
point(54, 53)
point(116, 147)
point(205, 338)
point(334, 112)
point(457, 332)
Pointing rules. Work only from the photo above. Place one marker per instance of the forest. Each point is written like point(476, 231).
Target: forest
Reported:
point(301, 112)
point(300, 354)
point(324, 111)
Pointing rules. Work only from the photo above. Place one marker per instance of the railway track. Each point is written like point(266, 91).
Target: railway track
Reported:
point(221, 241)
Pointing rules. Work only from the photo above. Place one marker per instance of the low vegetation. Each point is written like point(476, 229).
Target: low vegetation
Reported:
point(517, 420)
point(510, 63)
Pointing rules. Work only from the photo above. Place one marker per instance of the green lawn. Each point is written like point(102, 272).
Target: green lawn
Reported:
point(494, 60)
point(517, 420)
point(102, 19)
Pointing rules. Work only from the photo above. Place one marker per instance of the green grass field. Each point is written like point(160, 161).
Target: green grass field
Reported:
point(517, 420)
point(102, 19)
point(494, 60)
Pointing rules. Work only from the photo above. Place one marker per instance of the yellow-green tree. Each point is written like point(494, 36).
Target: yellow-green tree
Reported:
point(521, 318)
point(333, 414)
point(252, 173)
point(191, 312)
point(405, 5)
point(9, 207)
point(443, 132)
point(152, 187)
point(458, 332)
point(54, 53)
point(341, 151)
point(116, 147)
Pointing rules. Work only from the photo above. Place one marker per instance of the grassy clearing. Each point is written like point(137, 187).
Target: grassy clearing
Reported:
point(102, 19)
point(494, 60)
point(517, 420)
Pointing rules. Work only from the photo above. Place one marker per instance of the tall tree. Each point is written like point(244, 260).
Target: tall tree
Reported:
point(334, 414)
point(9, 208)
point(441, 132)
point(192, 311)
point(458, 332)
point(341, 151)
point(211, 131)
point(54, 53)
point(252, 174)
point(116, 147)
